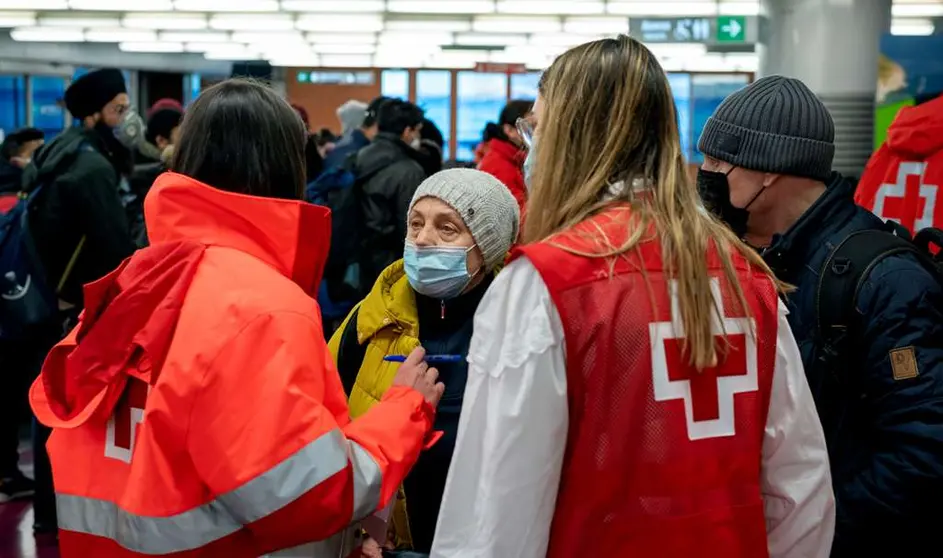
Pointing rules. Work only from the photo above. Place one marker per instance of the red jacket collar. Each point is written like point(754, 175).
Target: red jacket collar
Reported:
point(508, 151)
point(292, 236)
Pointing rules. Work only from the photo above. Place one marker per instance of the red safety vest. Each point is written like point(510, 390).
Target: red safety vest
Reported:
point(661, 460)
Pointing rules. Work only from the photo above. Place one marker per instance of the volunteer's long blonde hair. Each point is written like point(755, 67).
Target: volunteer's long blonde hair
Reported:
point(608, 116)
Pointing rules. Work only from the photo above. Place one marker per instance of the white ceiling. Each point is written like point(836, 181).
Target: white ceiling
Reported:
point(383, 33)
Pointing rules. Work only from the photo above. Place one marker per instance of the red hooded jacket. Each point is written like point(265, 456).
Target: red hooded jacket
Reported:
point(902, 180)
point(505, 161)
point(196, 410)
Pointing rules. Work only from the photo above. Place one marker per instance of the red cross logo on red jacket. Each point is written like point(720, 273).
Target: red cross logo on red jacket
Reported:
point(708, 395)
point(909, 202)
point(124, 421)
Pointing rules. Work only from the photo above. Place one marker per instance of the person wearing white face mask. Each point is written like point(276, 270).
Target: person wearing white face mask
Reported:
point(461, 224)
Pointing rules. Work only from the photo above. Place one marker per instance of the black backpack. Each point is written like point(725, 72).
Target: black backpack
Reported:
point(842, 277)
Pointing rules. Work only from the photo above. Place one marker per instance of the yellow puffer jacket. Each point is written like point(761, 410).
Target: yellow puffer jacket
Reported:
point(388, 322)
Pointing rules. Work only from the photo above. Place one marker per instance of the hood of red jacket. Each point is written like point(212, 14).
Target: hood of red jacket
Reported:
point(918, 131)
point(131, 314)
point(508, 151)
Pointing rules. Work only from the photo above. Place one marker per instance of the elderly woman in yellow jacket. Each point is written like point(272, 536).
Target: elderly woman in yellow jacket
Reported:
point(461, 225)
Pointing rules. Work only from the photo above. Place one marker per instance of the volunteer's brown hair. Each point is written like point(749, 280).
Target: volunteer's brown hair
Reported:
point(241, 136)
point(608, 116)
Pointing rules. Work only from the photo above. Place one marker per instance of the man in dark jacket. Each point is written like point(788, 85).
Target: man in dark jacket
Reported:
point(769, 150)
point(389, 174)
point(16, 152)
point(163, 130)
point(79, 218)
point(355, 139)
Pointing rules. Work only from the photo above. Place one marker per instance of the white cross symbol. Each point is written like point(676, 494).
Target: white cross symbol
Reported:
point(898, 194)
point(666, 389)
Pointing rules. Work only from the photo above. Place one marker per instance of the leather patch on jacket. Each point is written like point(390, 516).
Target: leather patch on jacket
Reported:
point(904, 363)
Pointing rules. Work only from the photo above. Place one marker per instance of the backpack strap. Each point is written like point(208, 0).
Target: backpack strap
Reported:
point(350, 353)
point(840, 281)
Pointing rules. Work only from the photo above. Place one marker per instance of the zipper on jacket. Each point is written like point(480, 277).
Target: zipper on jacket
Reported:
point(443, 309)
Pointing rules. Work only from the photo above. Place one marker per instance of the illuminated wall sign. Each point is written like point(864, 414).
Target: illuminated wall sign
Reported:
point(346, 78)
point(709, 30)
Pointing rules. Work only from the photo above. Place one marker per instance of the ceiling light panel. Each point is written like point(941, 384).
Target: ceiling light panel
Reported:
point(341, 38)
point(441, 6)
point(17, 19)
point(663, 8)
point(454, 25)
point(194, 36)
point(596, 25)
point(151, 47)
point(509, 24)
point(261, 37)
point(344, 49)
point(560, 39)
point(252, 22)
point(415, 39)
point(120, 35)
point(167, 21)
point(739, 8)
point(917, 10)
point(304, 60)
point(122, 5)
point(340, 22)
point(79, 20)
point(498, 39)
point(226, 5)
point(232, 53)
point(48, 34)
point(34, 4)
point(347, 61)
point(530, 7)
point(912, 27)
point(330, 6)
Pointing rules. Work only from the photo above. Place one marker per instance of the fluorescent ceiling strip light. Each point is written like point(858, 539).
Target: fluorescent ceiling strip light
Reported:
point(340, 22)
point(165, 21)
point(342, 38)
point(740, 8)
point(17, 19)
point(331, 6)
point(296, 61)
point(441, 6)
point(552, 7)
point(260, 37)
point(347, 61)
point(194, 36)
point(48, 34)
point(122, 5)
point(480, 39)
point(458, 59)
point(395, 61)
point(202, 47)
point(120, 36)
point(915, 28)
point(63, 20)
point(417, 39)
point(226, 5)
point(428, 25)
point(150, 47)
point(917, 10)
point(240, 53)
point(663, 8)
point(509, 24)
point(560, 39)
point(592, 25)
point(34, 4)
point(345, 49)
point(252, 22)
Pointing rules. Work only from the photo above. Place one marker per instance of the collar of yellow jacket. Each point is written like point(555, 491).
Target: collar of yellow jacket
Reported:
point(391, 303)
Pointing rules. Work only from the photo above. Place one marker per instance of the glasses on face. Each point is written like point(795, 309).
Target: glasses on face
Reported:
point(525, 128)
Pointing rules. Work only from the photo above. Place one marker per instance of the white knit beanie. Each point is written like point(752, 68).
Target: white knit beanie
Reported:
point(351, 115)
point(485, 205)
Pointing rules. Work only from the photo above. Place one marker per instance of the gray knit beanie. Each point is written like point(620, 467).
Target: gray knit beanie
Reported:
point(775, 124)
point(485, 204)
point(351, 115)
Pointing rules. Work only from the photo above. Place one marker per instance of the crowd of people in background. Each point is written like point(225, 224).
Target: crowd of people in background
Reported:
point(265, 340)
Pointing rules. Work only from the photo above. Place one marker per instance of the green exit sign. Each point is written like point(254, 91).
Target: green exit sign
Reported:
point(732, 29)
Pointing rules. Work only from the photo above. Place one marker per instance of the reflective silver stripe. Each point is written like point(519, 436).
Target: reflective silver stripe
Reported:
point(368, 482)
point(292, 478)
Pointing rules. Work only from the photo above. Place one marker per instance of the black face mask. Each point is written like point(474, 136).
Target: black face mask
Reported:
point(715, 193)
point(121, 157)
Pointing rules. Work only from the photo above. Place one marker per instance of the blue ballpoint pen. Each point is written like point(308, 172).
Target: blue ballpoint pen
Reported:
point(431, 359)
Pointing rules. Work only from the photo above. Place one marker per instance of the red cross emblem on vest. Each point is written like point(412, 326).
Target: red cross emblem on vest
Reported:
point(909, 202)
point(124, 421)
point(708, 395)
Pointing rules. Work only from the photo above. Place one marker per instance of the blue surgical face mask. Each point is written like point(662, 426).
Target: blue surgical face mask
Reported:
point(529, 164)
point(437, 271)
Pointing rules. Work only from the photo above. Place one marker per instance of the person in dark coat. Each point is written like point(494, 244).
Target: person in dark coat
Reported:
point(355, 139)
point(79, 216)
point(389, 174)
point(767, 172)
point(16, 152)
point(163, 131)
point(431, 148)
